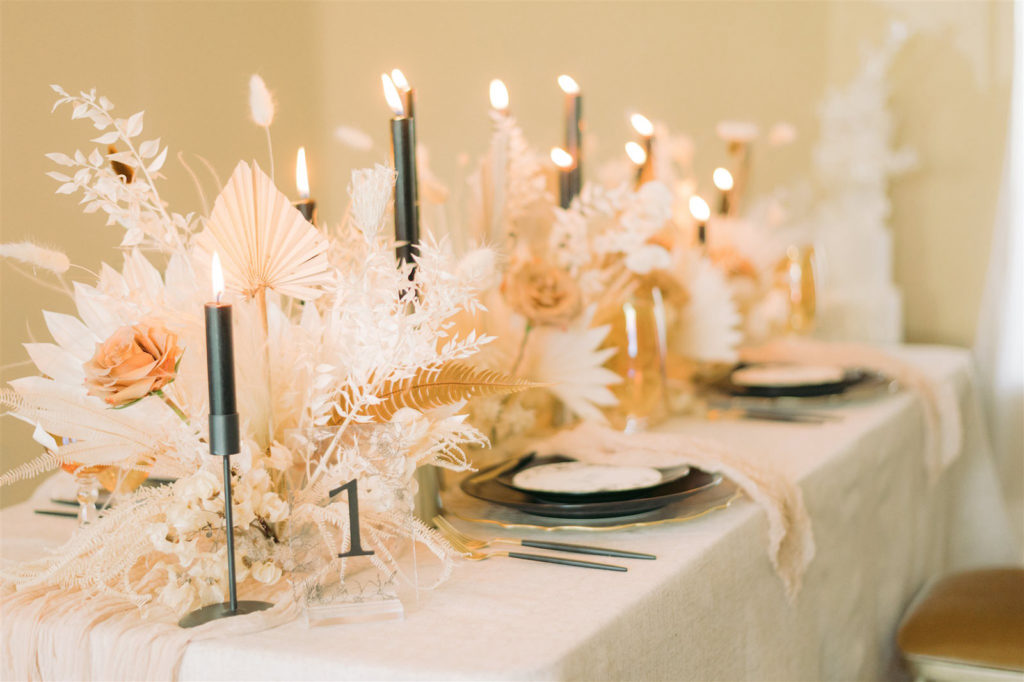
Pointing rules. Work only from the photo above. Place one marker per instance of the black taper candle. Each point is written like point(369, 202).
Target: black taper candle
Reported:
point(574, 141)
point(407, 209)
point(220, 368)
point(307, 207)
point(565, 188)
point(224, 440)
point(220, 365)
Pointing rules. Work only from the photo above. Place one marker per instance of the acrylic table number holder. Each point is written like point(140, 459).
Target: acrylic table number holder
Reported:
point(339, 579)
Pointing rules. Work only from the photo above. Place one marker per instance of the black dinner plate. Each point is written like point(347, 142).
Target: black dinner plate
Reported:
point(485, 485)
point(850, 379)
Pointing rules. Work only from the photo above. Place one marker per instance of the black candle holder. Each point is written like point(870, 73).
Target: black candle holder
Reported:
point(232, 607)
point(224, 441)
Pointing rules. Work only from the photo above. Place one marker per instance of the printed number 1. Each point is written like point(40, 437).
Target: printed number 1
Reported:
point(355, 547)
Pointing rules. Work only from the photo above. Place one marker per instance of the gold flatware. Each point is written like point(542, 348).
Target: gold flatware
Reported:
point(450, 531)
point(480, 555)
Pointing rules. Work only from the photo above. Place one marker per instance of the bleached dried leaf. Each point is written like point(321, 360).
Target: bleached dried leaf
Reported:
point(133, 126)
point(158, 163)
point(262, 240)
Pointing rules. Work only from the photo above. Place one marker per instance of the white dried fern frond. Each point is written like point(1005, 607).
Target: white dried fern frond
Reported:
point(263, 241)
point(46, 462)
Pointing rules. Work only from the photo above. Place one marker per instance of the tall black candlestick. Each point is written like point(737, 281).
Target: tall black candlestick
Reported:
point(574, 141)
point(645, 173)
point(224, 441)
point(565, 188)
point(307, 207)
point(407, 209)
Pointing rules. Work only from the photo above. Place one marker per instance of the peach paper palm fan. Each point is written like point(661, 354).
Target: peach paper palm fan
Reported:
point(263, 241)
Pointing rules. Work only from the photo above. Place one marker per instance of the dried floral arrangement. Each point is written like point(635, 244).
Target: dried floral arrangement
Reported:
point(348, 368)
point(564, 274)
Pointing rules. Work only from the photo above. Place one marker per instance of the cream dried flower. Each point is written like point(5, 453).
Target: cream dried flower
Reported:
point(542, 293)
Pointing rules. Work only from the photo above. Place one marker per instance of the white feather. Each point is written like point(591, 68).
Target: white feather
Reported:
point(261, 102)
point(354, 138)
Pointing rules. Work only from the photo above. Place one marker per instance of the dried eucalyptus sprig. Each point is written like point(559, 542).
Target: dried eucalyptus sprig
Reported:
point(136, 205)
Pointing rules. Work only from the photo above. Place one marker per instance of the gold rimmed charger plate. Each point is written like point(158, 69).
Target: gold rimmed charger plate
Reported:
point(464, 507)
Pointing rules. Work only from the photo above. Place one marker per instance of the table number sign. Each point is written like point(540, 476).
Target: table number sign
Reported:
point(341, 573)
point(355, 545)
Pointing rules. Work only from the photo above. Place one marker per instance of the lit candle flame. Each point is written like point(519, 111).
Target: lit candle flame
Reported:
point(499, 96)
point(723, 179)
point(699, 209)
point(636, 153)
point(400, 81)
point(561, 158)
point(568, 85)
point(301, 174)
point(642, 125)
point(392, 96)
point(217, 276)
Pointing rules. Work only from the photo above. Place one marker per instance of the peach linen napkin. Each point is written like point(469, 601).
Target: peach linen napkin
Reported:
point(790, 541)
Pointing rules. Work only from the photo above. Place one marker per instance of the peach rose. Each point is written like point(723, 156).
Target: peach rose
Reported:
point(132, 363)
point(542, 293)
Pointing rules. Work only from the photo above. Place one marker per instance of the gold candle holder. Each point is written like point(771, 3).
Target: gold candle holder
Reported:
point(639, 333)
point(795, 276)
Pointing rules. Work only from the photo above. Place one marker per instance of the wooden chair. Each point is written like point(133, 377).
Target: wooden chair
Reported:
point(967, 626)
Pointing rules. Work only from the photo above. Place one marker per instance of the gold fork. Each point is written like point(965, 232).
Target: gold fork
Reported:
point(477, 553)
point(478, 543)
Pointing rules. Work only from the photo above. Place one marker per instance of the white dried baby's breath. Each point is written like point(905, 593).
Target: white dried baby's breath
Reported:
point(36, 256)
point(261, 102)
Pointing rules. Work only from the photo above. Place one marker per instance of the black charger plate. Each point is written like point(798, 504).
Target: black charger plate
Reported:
point(485, 485)
point(852, 378)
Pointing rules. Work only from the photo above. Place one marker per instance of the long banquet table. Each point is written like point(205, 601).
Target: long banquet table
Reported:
point(711, 606)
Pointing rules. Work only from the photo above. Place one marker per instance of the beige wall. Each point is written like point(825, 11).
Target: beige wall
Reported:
point(689, 64)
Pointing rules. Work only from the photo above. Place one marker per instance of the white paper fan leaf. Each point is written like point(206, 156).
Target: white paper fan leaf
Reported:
point(709, 323)
point(262, 240)
point(572, 361)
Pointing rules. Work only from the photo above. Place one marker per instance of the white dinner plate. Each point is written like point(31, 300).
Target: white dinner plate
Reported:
point(787, 376)
point(581, 478)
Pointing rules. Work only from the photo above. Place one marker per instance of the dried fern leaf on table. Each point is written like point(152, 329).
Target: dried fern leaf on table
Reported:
point(444, 385)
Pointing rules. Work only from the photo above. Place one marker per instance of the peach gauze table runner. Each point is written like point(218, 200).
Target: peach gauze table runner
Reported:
point(710, 607)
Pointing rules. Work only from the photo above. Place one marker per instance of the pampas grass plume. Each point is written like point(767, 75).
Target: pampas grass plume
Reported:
point(27, 252)
point(261, 102)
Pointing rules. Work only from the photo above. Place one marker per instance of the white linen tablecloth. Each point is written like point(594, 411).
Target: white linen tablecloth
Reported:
point(710, 607)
